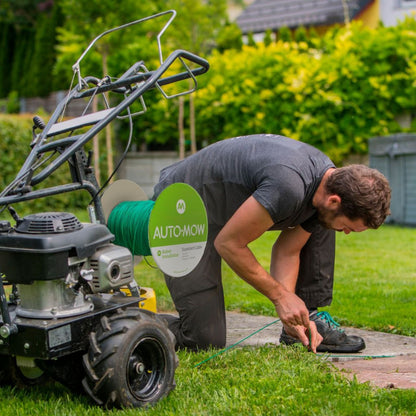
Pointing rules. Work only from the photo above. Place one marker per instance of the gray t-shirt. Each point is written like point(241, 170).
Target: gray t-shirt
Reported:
point(282, 174)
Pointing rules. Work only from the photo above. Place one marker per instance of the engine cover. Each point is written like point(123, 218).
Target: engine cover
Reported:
point(112, 268)
point(33, 251)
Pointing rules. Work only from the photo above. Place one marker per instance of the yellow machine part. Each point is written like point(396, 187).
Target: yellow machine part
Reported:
point(149, 295)
point(149, 302)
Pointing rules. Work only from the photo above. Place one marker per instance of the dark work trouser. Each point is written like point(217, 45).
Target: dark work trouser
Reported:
point(199, 298)
point(316, 270)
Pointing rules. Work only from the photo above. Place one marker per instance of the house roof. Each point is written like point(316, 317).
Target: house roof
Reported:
point(273, 14)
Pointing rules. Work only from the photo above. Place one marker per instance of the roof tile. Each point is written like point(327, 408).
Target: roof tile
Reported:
point(273, 14)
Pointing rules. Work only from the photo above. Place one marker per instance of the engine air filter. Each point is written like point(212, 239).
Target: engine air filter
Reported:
point(48, 223)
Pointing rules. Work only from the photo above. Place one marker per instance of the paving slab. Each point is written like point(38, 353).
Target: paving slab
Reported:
point(388, 360)
point(393, 372)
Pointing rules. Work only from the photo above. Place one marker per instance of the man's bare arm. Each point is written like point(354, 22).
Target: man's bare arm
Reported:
point(284, 263)
point(248, 223)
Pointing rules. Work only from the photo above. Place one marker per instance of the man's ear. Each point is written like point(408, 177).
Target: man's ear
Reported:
point(333, 202)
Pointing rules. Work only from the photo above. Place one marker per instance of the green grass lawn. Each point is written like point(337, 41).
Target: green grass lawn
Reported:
point(375, 287)
point(375, 281)
point(261, 381)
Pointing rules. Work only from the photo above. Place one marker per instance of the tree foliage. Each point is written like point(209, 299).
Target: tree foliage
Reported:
point(334, 91)
point(195, 28)
point(27, 40)
point(44, 53)
point(83, 24)
point(7, 36)
point(229, 37)
point(197, 23)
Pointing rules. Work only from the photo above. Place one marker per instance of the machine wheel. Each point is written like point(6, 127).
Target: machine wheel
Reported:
point(131, 361)
point(12, 375)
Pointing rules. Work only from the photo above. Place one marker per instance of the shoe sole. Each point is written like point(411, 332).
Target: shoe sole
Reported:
point(328, 348)
point(338, 349)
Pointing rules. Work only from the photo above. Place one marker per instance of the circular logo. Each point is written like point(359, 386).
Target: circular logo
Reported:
point(177, 230)
point(180, 206)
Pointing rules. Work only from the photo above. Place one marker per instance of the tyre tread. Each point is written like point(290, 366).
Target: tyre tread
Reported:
point(113, 332)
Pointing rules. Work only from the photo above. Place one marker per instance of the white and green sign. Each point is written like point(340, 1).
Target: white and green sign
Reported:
point(178, 230)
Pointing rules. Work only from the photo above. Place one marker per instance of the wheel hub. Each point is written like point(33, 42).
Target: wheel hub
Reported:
point(140, 368)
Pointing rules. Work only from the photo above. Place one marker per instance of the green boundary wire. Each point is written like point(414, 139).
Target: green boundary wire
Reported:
point(272, 323)
point(238, 342)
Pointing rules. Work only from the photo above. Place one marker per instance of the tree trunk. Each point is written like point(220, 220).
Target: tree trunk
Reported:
point(181, 129)
point(96, 146)
point(109, 145)
point(108, 131)
point(346, 12)
point(192, 123)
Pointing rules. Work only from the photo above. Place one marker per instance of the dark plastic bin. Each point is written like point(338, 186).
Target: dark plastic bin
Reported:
point(395, 157)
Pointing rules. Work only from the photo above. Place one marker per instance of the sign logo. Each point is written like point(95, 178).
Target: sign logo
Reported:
point(178, 231)
point(180, 206)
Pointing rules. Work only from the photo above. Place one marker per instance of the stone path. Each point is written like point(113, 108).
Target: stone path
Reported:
point(393, 362)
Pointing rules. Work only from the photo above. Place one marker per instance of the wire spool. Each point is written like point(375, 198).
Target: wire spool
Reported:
point(118, 192)
point(173, 229)
point(129, 222)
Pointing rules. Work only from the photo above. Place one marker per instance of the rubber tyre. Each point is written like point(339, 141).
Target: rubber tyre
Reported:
point(131, 361)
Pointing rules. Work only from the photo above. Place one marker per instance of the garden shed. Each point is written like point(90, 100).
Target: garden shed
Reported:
point(395, 157)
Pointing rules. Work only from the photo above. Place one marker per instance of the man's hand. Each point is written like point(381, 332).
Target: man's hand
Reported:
point(295, 318)
point(309, 337)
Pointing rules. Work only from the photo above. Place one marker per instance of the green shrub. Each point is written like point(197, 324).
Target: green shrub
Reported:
point(229, 37)
point(13, 105)
point(268, 38)
point(285, 35)
point(333, 92)
point(334, 98)
point(15, 139)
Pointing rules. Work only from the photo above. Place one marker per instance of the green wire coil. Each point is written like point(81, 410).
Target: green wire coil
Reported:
point(129, 222)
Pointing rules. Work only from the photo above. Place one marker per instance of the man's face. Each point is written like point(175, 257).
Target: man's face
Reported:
point(338, 222)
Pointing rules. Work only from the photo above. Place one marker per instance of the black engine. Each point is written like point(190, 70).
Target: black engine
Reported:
point(55, 260)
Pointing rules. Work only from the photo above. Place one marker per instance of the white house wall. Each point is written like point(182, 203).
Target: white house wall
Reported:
point(391, 11)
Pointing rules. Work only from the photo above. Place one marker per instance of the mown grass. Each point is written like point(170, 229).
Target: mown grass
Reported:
point(375, 281)
point(263, 381)
point(374, 288)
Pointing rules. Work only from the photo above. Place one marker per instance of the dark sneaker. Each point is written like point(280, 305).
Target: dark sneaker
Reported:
point(334, 338)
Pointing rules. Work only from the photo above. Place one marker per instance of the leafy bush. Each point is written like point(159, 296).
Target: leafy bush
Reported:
point(334, 98)
point(13, 105)
point(15, 139)
point(333, 92)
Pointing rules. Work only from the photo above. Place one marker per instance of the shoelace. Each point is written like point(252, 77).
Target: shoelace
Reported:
point(327, 318)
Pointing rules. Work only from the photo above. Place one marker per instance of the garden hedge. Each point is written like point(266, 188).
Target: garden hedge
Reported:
point(15, 139)
point(333, 92)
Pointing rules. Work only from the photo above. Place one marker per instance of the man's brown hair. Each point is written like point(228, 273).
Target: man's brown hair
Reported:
point(365, 193)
